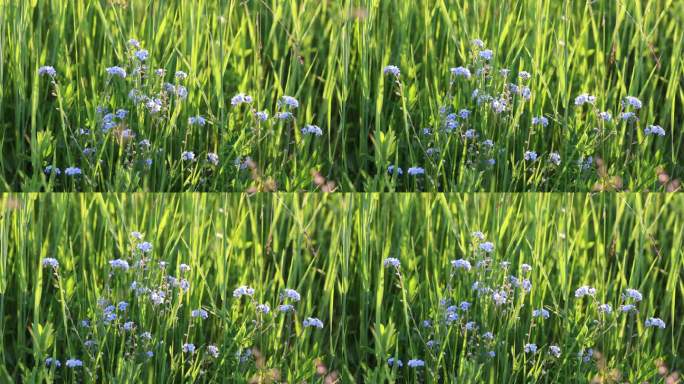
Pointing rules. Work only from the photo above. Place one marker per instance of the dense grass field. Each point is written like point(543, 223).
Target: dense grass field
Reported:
point(386, 275)
point(566, 95)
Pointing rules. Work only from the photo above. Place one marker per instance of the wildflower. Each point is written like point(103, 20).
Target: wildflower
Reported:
point(391, 69)
point(145, 247)
point(181, 92)
point(555, 158)
point(488, 336)
point(189, 348)
point(499, 105)
point(392, 362)
point(161, 72)
point(195, 313)
point(146, 335)
point(47, 70)
point(585, 290)
point(392, 168)
point(213, 351)
point(415, 171)
point(117, 71)
point(461, 71)
point(464, 306)
point(122, 306)
point(555, 351)
point(263, 308)
point(627, 308)
point(487, 246)
point(73, 171)
point(628, 116)
point(478, 43)
point(121, 114)
point(154, 106)
point(149, 354)
point(527, 285)
point(470, 134)
point(526, 93)
point(213, 158)
point(471, 326)
point(478, 235)
point(631, 101)
point(585, 99)
point(656, 130)
point(605, 116)
point(531, 348)
point(89, 343)
point(632, 294)
point(491, 354)
point(184, 285)
point(180, 75)
point(243, 291)
point(128, 326)
point(499, 297)
point(526, 268)
point(312, 130)
point(543, 313)
point(312, 322)
point(134, 43)
point(50, 361)
point(488, 143)
point(52, 170)
point(432, 344)
point(188, 156)
point(524, 75)
point(157, 297)
point(486, 54)
point(415, 363)
point(540, 120)
point(285, 308)
point(85, 323)
point(283, 115)
point(655, 322)
point(50, 262)
point(288, 101)
point(586, 355)
point(605, 308)
point(291, 294)
point(461, 264)
point(391, 261)
point(530, 156)
point(142, 54)
point(241, 98)
point(119, 264)
point(74, 363)
point(197, 120)
point(262, 116)
point(464, 114)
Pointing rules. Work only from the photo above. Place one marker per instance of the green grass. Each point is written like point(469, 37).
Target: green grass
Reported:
point(331, 249)
point(330, 55)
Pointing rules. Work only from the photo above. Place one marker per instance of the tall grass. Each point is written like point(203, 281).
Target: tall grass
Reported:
point(331, 249)
point(330, 55)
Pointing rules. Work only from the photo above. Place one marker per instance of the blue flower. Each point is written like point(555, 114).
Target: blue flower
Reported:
point(391, 261)
point(142, 54)
point(73, 171)
point(312, 130)
point(461, 71)
point(241, 98)
point(74, 363)
point(655, 130)
point(50, 262)
point(288, 101)
point(312, 322)
point(197, 120)
point(655, 322)
point(47, 70)
point(116, 71)
point(201, 313)
point(391, 69)
point(415, 363)
point(243, 291)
